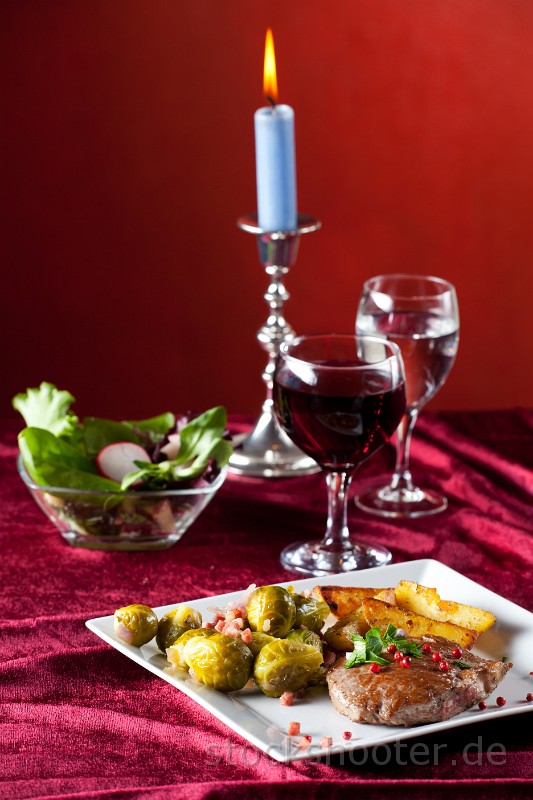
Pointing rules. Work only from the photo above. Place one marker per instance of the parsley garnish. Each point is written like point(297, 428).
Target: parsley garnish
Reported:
point(462, 665)
point(370, 648)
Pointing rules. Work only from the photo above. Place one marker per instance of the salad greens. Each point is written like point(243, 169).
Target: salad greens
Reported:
point(155, 426)
point(60, 450)
point(97, 433)
point(200, 442)
point(47, 408)
point(52, 461)
point(370, 648)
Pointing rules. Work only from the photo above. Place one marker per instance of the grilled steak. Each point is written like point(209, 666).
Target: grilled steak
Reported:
point(416, 695)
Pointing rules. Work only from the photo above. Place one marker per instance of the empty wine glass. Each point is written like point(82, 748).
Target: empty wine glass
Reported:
point(339, 398)
point(421, 315)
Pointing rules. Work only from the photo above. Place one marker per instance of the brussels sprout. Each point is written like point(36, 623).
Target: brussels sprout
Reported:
point(174, 623)
point(310, 612)
point(271, 609)
point(259, 640)
point(306, 636)
point(219, 661)
point(285, 666)
point(175, 651)
point(319, 678)
point(135, 624)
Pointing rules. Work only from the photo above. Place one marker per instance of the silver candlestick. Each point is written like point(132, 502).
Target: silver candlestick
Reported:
point(267, 452)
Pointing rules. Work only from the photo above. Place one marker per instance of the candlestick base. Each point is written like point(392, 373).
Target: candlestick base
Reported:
point(267, 452)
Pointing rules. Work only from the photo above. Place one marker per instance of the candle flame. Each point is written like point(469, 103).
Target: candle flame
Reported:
point(270, 81)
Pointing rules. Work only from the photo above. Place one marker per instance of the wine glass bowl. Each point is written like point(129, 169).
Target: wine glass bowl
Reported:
point(339, 398)
point(420, 314)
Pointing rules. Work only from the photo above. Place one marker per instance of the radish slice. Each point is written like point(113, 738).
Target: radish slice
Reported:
point(172, 448)
point(117, 460)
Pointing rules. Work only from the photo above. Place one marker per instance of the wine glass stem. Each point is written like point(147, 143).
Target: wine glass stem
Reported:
point(337, 536)
point(402, 476)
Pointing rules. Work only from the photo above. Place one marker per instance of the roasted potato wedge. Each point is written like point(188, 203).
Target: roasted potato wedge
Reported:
point(338, 636)
point(387, 595)
point(377, 613)
point(425, 601)
point(342, 600)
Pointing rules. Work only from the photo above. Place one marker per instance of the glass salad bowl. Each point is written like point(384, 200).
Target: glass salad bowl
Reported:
point(126, 520)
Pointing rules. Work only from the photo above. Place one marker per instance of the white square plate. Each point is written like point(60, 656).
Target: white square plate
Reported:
point(263, 721)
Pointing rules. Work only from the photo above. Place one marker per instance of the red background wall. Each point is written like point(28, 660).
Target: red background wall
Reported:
point(128, 154)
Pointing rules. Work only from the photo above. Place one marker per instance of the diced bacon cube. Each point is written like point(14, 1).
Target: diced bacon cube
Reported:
point(220, 625)
point(293, 729)
point(287, 699)
point(326, 741)
point(329, 657)
point(246, 636)
point(304, 742)
point(208, 625)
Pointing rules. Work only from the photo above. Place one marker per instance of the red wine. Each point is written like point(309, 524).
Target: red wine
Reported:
point(338, 430)
point(428, 344)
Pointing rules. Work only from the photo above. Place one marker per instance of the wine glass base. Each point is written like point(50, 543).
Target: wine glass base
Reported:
point(311, 558)
point(383, 501)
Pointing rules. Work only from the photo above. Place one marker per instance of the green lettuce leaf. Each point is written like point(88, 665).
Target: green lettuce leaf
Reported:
point(48, 408)
point(97, 433)
point(202, 430)
point(154, 426)
point(51, 461)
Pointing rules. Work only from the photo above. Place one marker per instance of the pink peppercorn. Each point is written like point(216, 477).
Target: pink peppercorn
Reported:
point(398, 655)
point(500, 701)
point(347, 735)
point(482, 705)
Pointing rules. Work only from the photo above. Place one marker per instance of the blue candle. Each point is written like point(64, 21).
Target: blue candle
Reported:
point(274, 155)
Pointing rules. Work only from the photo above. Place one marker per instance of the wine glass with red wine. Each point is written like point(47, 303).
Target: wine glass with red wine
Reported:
point(339, 398)
point(419, 313)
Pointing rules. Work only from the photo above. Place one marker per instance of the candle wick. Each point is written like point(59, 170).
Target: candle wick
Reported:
point(271, 101)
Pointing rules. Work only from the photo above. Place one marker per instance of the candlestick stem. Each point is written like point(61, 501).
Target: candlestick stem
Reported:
point(267, 451)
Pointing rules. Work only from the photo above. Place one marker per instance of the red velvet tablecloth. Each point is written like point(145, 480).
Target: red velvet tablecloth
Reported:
point(79, 720)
